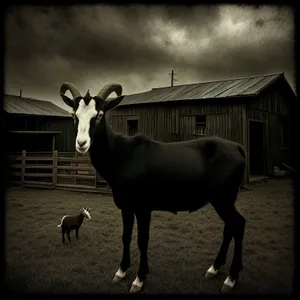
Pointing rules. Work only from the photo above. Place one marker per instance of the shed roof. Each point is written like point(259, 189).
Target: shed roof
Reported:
point(247, 86)
point(26, 106)
point(34, 132)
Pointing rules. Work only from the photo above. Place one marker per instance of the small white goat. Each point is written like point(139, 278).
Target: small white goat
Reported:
point(69, 223)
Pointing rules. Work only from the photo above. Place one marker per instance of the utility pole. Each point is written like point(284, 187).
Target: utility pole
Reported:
point(172, 77)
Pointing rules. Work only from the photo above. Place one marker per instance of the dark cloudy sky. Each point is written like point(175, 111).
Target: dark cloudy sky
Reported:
point(138, 46)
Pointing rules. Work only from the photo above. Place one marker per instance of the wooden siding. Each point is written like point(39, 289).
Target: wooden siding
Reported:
point(170, 122)
point(64, 142)
point(245, 143)
point(270, 106)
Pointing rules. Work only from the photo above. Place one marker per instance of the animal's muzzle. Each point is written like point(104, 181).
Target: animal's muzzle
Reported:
point(81, 143)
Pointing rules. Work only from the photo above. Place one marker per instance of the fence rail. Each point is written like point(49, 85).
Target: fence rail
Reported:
point(66, 171)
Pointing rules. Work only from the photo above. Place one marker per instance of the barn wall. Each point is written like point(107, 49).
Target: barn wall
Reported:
point(64, 142)
point(217, 119)
point(271, 106)
point(156, 121)
point(171, 122)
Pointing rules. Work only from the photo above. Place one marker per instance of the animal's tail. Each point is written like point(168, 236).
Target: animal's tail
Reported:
point(58, 225)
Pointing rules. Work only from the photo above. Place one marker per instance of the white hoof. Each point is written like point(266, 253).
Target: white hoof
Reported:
point(119, 276)
point(136, 286)
point(228, 285)
point(211, 272)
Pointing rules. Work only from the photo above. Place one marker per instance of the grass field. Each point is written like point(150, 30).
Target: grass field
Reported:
point(182, 247)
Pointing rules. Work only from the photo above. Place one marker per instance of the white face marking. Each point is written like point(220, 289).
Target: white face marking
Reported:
point(85, 113)
point(86, 213)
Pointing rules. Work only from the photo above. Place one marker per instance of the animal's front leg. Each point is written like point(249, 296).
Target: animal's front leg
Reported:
point(128, 221)
point(77, 233)
point(143, 222)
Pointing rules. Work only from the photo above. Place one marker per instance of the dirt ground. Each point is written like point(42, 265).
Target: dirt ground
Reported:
point(182, 247)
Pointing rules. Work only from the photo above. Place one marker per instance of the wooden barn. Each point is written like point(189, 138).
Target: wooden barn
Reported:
point(254, 111)
point(37, 126)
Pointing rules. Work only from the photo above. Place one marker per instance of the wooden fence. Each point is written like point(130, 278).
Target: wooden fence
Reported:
point(55, 170)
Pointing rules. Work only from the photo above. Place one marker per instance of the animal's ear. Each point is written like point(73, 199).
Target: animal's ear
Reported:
point(67, 100)
point(112, 103)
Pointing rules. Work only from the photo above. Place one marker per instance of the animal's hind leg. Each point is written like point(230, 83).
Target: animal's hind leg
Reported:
point(68, 234)
point(128, 221)
point(63, 234)
point(236, 225)
point(221, 257)
point(238, 222)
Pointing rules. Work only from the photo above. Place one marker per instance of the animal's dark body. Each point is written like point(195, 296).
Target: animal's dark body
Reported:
point(69, 223)
point(147, 175)
point(181, 176)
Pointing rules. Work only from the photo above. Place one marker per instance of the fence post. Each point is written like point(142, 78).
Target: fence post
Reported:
point(54, 168)
point(96, 176)
point(23, 167)
point(75, 171)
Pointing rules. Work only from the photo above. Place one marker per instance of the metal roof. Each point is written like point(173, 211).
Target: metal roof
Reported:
point(34, 132)
point(27, 106)
point(247, 86)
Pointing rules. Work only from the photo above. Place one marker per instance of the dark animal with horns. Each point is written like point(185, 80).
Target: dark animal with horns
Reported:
point(147, 175)
point(69, 223)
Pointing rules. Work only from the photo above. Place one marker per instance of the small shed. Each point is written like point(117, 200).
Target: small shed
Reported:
point(254, 111)
point(37, 126)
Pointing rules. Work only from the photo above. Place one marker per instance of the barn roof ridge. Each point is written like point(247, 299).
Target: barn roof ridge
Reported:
point(14, 104)
point(229, 88)
point(25, 98)
point(219, 80)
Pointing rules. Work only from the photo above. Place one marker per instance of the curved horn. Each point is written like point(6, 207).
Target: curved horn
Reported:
point(108, 89)
point(71, 87)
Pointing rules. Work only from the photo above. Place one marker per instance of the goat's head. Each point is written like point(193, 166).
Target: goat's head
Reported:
point(88, 111)
point(86, 212)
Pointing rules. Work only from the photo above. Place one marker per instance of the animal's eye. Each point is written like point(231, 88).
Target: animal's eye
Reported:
point(100, 114)
point(98, 117)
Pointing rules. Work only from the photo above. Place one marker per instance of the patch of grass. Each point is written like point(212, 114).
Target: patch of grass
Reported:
point(181, 248)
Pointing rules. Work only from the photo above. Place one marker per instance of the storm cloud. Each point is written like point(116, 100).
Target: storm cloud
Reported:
point(139, 45)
